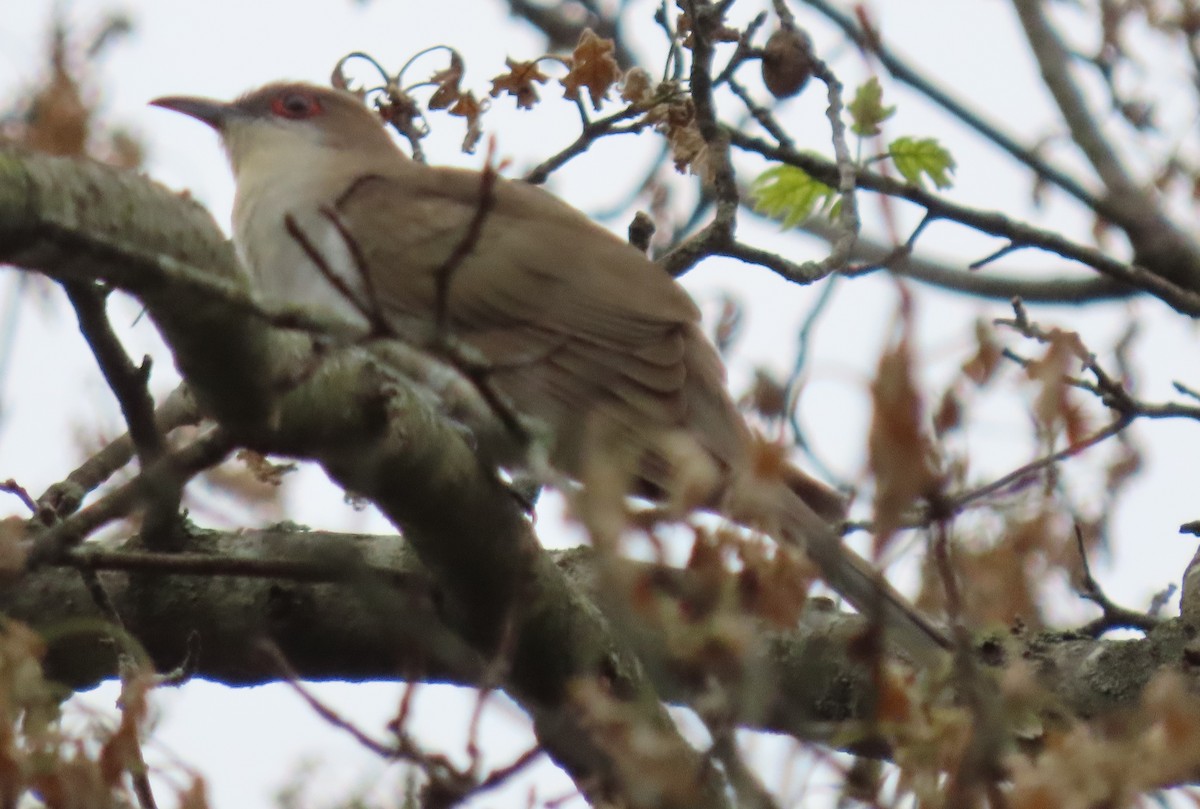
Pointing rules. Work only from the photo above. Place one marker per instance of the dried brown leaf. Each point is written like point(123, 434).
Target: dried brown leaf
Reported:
point(899, 451)
point(949, 413)
point(469, 107)
point(58, 121)
point(447, 81)
point(74, 782)
point(775, 588)
point(521, 82)
point(195, 796)
point(122, 752)
point(637, 86)
point(264, 470)
point(592, 66)
point(1054, 407)
point(982, 366)
point(766, 397)
point(729, 323)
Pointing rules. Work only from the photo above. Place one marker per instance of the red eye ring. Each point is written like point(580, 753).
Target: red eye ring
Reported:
point(295, 105)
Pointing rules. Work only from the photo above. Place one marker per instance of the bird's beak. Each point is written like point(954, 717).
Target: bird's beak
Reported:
point(213, 113)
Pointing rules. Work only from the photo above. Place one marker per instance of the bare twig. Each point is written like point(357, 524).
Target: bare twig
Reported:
point(870, 41)
point(1054, 60)
point(64, 497)
point(375, 311)
point(12, 487)
point(562, 28)
point(202, 453)
point(128, 382)
point(750, 792)
point(328, 714)
point(447, 785)
point(957, 502)
point(592, 132)
point(945, 275)
point(1110, 390)
point(197, 564)
point(1113, 616)
point(327, 271)
point(444, 273)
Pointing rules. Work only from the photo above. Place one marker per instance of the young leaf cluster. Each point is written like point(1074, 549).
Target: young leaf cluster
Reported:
point(791, 195)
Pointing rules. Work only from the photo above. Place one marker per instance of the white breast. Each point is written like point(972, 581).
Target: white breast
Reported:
point(309, 265)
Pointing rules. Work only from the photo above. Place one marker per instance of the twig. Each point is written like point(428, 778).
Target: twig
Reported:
point(375, 314)
point(12, 487)
point(64, 497)
point(847, 171)
point(202, 453)
point(761, 114)
point(444, 273)
point(870, 42)
point(331, 276)
point(289, 675)
point(1054, 61)
point(993, 223)
point(1112, 615)
point(592, 132)
point(500, 775)
point(1111, 391)
point(792, 401)
point(1186, 391)
point(750, 792)
point(956, 503)
point(197, 564)
point(447, 785)
point(372, 308)
point(718, 234)
point(871, 254)
point(128, 383)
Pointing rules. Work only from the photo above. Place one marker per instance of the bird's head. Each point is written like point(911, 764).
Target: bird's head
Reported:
point(292, 121)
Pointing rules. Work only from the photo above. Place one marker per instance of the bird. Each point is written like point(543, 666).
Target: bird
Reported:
point(580, 332)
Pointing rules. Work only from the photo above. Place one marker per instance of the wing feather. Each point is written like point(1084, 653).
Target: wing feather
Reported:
point(574, 320)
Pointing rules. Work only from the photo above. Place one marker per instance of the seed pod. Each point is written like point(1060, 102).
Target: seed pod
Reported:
point(787, 62)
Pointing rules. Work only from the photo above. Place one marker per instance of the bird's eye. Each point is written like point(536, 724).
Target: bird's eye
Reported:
point(295, 105)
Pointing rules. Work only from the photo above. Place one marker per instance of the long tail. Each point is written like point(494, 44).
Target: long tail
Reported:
point(857, 581)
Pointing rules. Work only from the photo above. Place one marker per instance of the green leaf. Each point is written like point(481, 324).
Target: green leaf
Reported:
point(926, 157)
point(790, 194)
point(867, 111)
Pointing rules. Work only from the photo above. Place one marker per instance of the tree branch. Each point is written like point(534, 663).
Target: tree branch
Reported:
point(1152, 278)
point(364, 608)
point(377, 435)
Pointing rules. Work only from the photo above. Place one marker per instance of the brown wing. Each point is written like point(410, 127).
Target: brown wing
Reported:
point(575, 321)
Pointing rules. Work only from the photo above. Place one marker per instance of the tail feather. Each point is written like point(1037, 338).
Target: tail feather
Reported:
point(856, 580)
point(827, 502)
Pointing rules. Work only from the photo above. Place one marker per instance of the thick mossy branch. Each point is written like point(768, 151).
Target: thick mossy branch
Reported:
point(364, 608)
